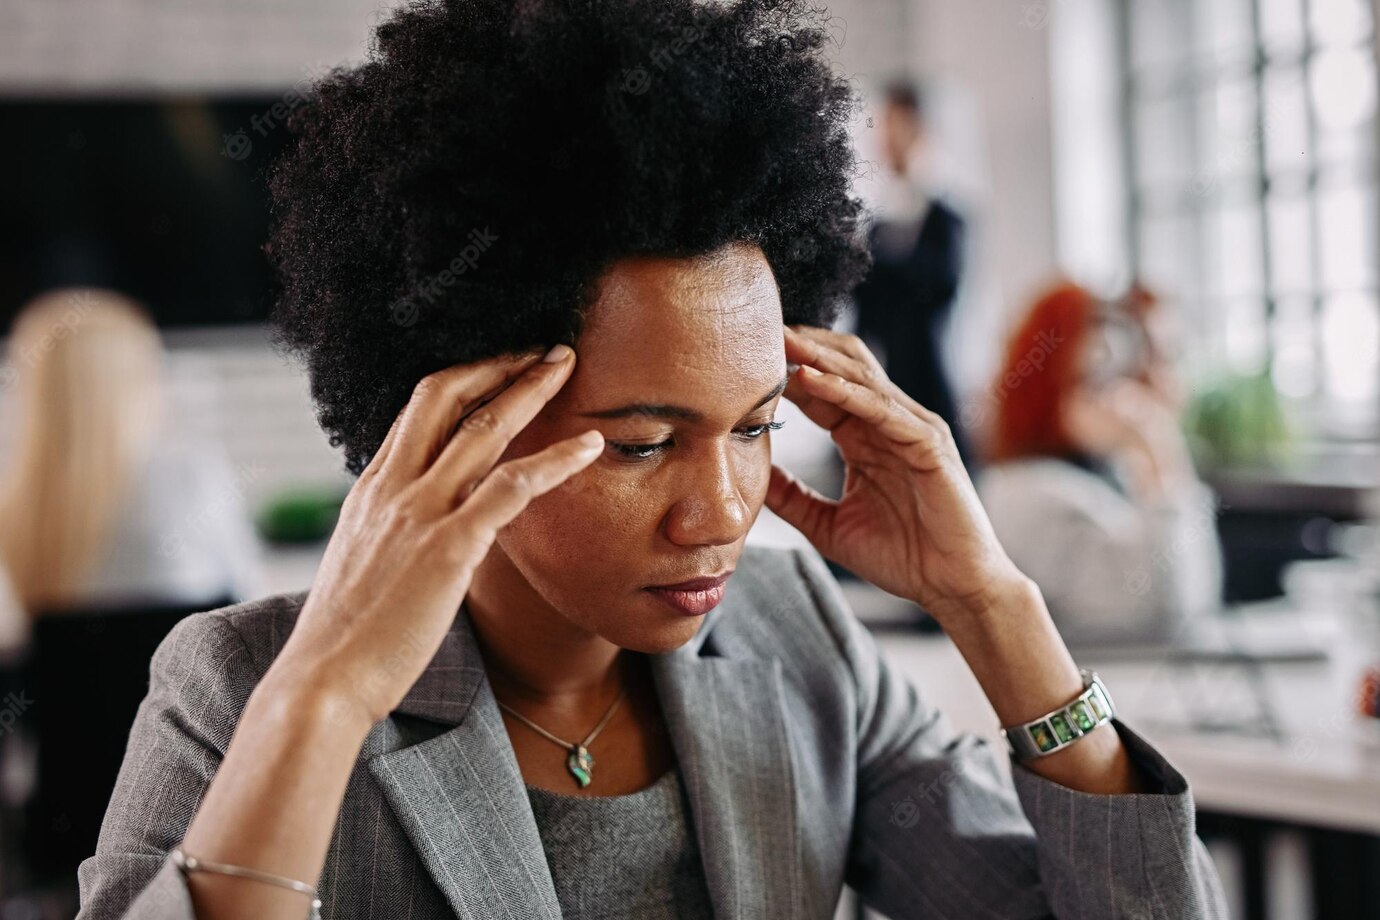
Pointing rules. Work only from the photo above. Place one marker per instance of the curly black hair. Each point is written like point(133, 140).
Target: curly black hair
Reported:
point(458, 194)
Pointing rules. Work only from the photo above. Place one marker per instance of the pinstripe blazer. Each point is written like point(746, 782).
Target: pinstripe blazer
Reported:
point(807, 763)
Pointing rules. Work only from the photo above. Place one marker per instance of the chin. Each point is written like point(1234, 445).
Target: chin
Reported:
point(653, 638)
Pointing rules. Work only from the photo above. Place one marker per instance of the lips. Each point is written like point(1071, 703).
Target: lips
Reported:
point(695, 597)
point(697, 584)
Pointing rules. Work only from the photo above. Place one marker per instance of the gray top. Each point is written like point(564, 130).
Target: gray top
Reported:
point(623, 856)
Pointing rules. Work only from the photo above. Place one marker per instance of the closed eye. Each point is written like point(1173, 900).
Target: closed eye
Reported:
point(647, 451)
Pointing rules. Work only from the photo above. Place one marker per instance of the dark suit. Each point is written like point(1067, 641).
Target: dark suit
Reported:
point(904, 302)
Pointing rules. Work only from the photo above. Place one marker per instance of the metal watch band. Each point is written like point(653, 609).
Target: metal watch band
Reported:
point(1059, 728)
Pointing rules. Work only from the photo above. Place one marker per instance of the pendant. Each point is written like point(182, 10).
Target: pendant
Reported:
point(580, 763)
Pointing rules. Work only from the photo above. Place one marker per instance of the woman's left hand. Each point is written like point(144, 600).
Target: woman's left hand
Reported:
point(909, 520)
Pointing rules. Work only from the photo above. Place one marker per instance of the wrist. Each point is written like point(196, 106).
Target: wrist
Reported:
point(313, 694)
point(1003, 599)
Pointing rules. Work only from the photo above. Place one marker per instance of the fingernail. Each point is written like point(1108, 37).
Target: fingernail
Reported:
point(557, 353)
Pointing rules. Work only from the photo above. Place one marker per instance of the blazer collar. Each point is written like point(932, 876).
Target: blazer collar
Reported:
point(461, 799)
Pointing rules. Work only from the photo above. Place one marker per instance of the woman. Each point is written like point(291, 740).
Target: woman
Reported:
point(1089, 464)
point(523, 682)
point(101, 507)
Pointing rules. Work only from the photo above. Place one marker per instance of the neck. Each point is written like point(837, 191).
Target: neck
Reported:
point(531, 652)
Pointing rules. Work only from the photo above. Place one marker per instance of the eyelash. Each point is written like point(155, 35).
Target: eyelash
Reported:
point(634, 451)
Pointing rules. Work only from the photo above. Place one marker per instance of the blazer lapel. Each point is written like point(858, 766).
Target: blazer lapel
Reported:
point(460, 796)
point(462, 802)
point(727, 725)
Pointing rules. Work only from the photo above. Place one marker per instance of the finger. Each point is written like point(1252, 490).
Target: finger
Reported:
point(439, 401)
point(845, 343)
point(817, 409)
point(846, 355)
point(486, 432)
point(879, 411)
point(802, 507)
point(512, 485)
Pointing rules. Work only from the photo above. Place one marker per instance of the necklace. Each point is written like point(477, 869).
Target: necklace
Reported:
point(578, 761)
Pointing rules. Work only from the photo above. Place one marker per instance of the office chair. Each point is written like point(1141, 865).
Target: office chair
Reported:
point(86, 672)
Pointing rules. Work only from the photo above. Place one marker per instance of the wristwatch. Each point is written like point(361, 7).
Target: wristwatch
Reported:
point(1056, 730)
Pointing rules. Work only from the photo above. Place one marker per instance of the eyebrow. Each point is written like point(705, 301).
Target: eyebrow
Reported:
point(661, 410)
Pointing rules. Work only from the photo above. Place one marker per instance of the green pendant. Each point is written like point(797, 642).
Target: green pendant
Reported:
point(580, 763)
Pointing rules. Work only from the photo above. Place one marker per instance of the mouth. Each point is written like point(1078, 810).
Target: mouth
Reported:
point(695, 597)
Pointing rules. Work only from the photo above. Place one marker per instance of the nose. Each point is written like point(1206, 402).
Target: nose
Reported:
point(711, 509)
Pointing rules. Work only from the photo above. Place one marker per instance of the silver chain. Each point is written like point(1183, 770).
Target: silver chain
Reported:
point(562, 742)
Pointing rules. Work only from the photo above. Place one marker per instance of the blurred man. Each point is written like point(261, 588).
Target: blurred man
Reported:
point(917, 245)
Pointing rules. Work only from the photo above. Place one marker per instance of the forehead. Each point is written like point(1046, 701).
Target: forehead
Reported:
point(687, 331)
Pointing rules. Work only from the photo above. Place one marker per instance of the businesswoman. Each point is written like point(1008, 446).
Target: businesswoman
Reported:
point(538, 673)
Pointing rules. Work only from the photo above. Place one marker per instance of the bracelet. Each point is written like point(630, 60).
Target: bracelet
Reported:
point(1059, 728)
point(190, 864)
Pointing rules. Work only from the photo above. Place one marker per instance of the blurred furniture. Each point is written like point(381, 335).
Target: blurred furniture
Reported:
point(1320, 777)
point(87, 671)
point(1270, 517)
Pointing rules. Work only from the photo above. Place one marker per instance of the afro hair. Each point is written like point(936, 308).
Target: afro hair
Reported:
point(458, 195)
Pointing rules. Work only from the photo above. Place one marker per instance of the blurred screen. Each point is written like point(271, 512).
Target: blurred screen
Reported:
point(162, 199)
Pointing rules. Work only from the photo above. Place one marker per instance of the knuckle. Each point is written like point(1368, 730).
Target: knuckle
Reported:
point(483, 421)
point(429, 387)
point(515, 478)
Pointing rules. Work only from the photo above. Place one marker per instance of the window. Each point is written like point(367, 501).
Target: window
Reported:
point(1250, 130)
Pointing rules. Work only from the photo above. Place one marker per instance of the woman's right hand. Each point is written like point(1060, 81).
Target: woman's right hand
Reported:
point(417, 524)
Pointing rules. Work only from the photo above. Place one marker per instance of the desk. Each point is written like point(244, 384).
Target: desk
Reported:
point(1324, 773)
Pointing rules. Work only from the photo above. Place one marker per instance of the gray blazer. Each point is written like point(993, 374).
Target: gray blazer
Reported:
point(807, 762)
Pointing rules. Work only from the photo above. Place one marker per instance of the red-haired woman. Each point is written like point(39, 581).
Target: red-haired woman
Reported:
point(1091, 488)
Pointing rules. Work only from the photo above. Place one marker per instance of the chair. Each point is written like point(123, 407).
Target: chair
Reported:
point(87, 672)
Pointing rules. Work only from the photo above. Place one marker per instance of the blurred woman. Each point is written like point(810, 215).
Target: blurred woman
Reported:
point(100, 504)
point(1092, 488)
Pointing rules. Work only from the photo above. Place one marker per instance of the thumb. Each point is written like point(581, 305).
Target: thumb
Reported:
point(803, 508)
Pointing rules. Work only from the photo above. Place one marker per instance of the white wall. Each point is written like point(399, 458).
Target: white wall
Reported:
point(991, 59)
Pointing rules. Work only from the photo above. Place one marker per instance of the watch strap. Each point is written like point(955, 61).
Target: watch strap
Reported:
point(1057, 729)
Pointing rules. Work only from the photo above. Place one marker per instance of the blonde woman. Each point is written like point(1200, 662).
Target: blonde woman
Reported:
point(100, 503)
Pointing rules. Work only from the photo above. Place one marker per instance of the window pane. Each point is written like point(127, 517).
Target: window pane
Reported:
point(1285, 119)
point(1246, 332)
point(1336, 22)
point(1291, 253)
point(1293, 367)
point(1342, 84)
point(1227, 130)
point(1158, 29)
point(1222, 29)
point(1167, 256)
point(1163, 156)
point(1346, 218)
point(1350, 332)
point(1232, 255)
point(1281, 24)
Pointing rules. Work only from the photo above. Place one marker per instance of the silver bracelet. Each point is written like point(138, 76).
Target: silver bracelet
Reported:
point(191, 864)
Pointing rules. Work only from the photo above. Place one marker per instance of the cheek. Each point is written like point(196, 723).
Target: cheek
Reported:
point(595, 515)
